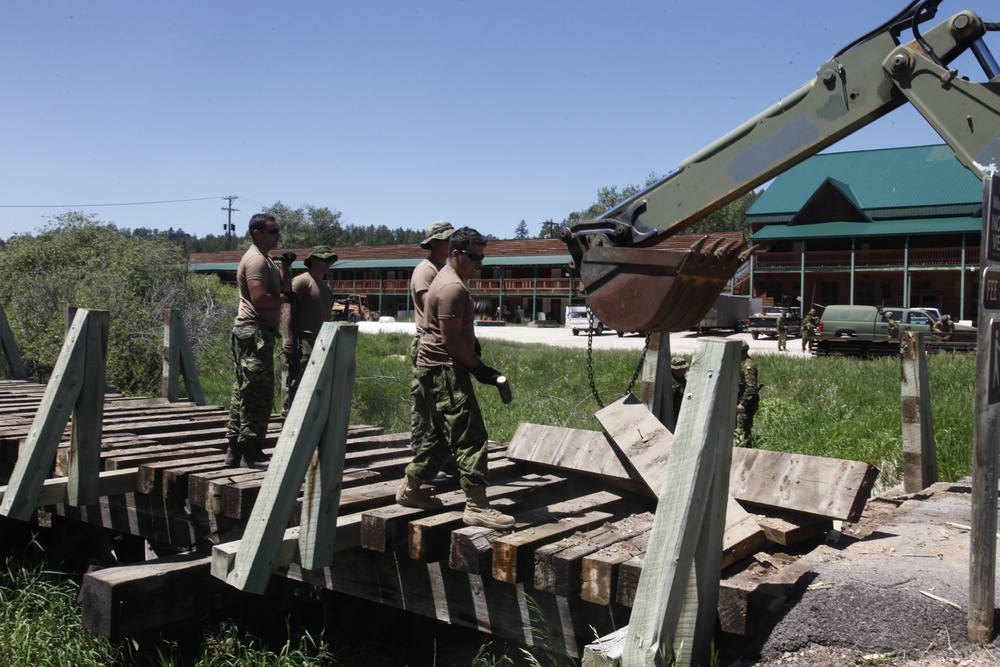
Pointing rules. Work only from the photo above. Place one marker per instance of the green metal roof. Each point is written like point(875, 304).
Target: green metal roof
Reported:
point(880, 181)
point(878, 228)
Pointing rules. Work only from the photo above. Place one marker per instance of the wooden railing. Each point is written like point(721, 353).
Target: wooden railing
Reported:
point(480, 286)
point(867, 258)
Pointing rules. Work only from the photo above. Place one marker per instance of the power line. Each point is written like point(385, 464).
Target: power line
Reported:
point(134, 203)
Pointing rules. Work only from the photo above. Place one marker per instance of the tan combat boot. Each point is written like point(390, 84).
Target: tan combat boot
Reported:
point(409, 494)
point(479, 513)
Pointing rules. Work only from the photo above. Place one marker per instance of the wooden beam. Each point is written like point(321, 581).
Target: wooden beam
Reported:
point(683, 558)
point(178, 359)
point(599, 571)
point(55, 490)
point(919, 452)
point(88, 413)
point(834, 488)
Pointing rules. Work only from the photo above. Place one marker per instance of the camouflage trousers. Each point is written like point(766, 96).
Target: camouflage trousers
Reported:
point(782, 340)
point(456, 429)
point(743, 436)
point(306, 343)
point(420, 413)
point(253, 388)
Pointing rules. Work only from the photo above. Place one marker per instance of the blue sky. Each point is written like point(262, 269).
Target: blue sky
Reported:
point(397, 113)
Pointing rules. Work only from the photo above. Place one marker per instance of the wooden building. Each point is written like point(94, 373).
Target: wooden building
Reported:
point(896, 227)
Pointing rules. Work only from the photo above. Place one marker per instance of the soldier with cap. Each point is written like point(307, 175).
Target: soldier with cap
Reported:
point(747, 399)
point(438, 233)
point(678, 383)
point(446, 365)
point(311, 309)
point(252, 341)
point(782, 333)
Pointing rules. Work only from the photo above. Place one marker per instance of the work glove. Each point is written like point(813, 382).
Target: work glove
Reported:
point(287, 257)
point(291, 296)
point(485, 374)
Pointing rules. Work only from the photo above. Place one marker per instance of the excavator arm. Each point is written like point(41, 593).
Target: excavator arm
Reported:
point(633, 285)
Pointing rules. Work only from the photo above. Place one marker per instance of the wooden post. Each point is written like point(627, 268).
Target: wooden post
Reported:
point(919, 453)
point(9, 349)
point(318, 409)
point(983, 543)
point(64, 394)
point(656, 391)
point(679, 585)
point(178, 359)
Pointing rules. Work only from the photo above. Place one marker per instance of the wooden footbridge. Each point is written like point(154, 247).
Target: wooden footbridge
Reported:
point(629, 527)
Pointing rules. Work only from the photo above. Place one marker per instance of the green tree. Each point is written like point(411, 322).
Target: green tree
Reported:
point(82, 262)
point(521, 231)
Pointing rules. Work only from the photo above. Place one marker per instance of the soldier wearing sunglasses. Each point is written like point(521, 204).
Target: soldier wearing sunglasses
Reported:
point(446, 364)
point(257, 320)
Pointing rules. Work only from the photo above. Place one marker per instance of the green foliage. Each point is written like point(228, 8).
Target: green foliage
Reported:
point(310, 225)
point(81, 262)
point(521, 231)
point(40, 622)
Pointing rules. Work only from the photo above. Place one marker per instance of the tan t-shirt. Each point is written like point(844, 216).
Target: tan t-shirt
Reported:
point(447, 297)
point(313, 305)
point(255, 265)
point(421, 281)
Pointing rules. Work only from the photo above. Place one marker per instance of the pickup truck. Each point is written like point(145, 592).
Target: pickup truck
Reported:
point(578, 319)
point(862, 331)
point(765, 323)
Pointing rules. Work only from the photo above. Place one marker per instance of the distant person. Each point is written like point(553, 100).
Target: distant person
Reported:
point(446, 364)
point(892, 326)
point(943, 328)
point(438, 233)
point(747, 399)
point(311, 309)
point(258, 317)
point(810, 325)
point(678, 383)
point(782, 333)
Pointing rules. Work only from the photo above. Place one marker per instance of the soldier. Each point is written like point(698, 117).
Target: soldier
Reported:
point(892, 326)
point(308, 313)
point(809, 324)
point(678, 383)
point(436, 242)
point(782, 333)
point(747, 399)
point(943, 328)
point(446, 364)
point(254, 330)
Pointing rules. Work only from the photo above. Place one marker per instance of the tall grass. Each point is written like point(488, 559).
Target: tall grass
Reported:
point(837, 407)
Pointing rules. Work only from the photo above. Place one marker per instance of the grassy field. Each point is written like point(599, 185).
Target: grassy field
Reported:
point(834, 407)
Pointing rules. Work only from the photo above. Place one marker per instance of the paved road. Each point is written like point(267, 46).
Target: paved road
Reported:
point(680, 343)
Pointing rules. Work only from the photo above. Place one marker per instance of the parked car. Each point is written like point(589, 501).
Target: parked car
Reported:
point(579, 318)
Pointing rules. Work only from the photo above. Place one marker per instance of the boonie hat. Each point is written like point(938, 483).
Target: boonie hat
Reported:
point(440, 230)
point(321, 252)
point(678, 363)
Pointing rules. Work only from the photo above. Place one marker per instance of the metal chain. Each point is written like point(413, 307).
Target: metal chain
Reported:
point(590, 366)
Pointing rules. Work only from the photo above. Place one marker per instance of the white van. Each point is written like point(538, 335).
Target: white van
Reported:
point(578, 319)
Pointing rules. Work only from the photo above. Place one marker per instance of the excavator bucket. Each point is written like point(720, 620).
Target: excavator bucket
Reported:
point(650, 289)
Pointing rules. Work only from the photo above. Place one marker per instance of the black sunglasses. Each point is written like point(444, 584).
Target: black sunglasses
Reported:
point(475, 257)
point(273, 231)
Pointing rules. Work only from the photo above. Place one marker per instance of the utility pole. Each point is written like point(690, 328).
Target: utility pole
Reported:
point(230, 228)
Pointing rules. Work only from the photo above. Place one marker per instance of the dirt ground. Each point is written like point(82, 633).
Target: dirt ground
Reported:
point(867, 598)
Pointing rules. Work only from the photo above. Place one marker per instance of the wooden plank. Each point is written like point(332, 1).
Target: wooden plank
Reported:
point(599, 571)
point(643, 443)
point(919, 452)
point(88, 413)
point(743, 536)
point(513, 554)
point(833, 488)
point(472, 549)
point(568, 449)
point(558, 566)
point(55, 489)
point(9, 348)
point(788, 528)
